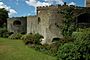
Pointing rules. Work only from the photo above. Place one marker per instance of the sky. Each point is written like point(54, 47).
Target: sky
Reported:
point(19, 8)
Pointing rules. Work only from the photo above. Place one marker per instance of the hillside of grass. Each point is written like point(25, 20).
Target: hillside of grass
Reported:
point(16, 50)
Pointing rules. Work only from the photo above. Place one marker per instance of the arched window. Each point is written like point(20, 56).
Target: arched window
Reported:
point(84, 18)
point(16, 23)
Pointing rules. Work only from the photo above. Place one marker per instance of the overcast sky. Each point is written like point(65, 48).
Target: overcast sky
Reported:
point(27, 7)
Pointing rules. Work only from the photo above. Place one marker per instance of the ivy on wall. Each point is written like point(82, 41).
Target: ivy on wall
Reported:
point(68, 24)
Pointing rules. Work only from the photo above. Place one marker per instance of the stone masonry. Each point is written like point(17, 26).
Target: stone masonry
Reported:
point(47, 22)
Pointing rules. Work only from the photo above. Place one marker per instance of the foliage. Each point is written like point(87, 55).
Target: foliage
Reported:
point(66, 40)
point(15, 36)
point(48, 49)
point(67, 52)
point(3, 22)
point(68, 24)
point(31, 38)
point(2, 30)
point(4, 33)
point(37, 38)
point(52, 48)
point(28, 39)
point(70, 51)
point(3, 16)
point(77, 50)
point(82, 34)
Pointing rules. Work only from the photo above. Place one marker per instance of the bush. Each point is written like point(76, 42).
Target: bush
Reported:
point(47, 49)
point(40, 48)
point(31, 38)
point(37, 38)
point(43, 48)
point(68, 51)
point(4, 33)
point(74, 51)
point(2, 30)
point(28, 39)
point(54, 48)
point(15, 36)
point(77, 50)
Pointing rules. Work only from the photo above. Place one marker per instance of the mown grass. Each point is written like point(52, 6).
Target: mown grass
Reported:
point(16, 50)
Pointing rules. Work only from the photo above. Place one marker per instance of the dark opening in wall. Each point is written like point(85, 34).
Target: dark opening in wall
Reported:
point(16, 23)
point(39, 20)
point(55, 39)
point(84, 18)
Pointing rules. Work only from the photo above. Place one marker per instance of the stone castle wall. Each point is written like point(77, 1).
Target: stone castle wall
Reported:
point(32, 24)
point(18, 24)
point(47, 22)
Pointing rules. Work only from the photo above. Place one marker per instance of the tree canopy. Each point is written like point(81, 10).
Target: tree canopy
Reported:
point(3, 16)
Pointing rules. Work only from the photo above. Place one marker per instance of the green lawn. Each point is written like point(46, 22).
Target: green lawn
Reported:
point(16, 50)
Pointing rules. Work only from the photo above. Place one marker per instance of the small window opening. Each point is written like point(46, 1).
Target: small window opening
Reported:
point(16, 23)
point(39, 20)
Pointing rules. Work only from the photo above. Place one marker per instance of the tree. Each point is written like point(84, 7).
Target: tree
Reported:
point(3, 16)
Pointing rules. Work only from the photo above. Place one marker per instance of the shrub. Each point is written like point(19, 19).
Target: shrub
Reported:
point(37, 38)
point(28, 39)
point(2, 30)
point(40, 48)
point(66, 40)
point(54, 48)
point(15, 36)
point(77, 50)
point(47, 49)
point(67, 52)
point(31, 38)
point(74, 51)
point(43, 48)
point(81, 35)
point(4, 33)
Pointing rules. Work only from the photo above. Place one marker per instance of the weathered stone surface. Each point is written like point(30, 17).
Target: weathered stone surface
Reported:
point(19, 26)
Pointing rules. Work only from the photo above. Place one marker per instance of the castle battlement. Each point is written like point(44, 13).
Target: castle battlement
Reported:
point(48, 7)
point(52, 7)
point(42, 7)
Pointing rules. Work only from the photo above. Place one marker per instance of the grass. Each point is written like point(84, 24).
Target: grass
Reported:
point(16, 50)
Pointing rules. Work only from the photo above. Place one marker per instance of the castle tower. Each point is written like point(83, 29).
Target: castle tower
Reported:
point(87, 3)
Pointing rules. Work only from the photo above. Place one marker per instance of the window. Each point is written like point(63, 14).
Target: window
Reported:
point(16, 23)
point(84, 18)
point(39, 20)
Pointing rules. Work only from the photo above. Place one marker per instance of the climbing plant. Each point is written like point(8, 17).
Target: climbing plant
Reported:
point(68, 24)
